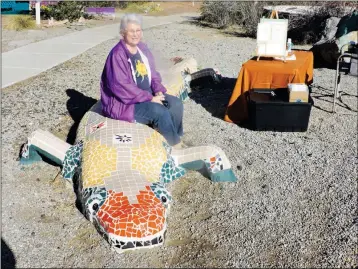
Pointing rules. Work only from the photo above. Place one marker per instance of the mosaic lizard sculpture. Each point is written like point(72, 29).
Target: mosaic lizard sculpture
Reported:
point(122, 169)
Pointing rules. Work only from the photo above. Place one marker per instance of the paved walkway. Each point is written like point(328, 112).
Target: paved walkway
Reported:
point(30, 60)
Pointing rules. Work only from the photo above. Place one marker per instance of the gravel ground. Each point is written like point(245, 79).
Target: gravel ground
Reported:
point(293, 206)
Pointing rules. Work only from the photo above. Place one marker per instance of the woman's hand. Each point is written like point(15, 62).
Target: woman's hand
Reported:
point(158, 99)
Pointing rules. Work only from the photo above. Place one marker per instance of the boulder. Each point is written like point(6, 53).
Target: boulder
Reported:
point(338, 33)
point(330, 30)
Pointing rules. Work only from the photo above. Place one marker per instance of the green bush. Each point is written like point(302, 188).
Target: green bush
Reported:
point(45, 12)
point(70, 10)
point(88, 16)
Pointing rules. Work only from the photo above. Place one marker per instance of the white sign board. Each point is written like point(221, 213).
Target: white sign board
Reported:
point(272, 37)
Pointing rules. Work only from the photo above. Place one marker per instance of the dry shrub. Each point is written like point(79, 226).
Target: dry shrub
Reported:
point(219, 13)
point(310, 27)
point(116, 4)
point(143, 7)
point(246, 14)
point(306, 28)
point(21, 22)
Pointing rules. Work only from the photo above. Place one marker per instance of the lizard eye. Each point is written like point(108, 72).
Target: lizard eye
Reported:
point(95, 207)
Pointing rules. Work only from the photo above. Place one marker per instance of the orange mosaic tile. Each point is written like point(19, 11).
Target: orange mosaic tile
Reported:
point(123, 219)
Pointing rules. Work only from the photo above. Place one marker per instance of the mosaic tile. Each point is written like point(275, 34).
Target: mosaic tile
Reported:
point(93, 199)
point(122, 139)
point(161, 193)
point(181, 87)
point(214, 164)
point(97, 162)
point(130, 183)
point(170, 171)
point(72, 160)
point(148, 158)
point(43, 144)
point(135, 221)
point(81, 130)
point(98, 126)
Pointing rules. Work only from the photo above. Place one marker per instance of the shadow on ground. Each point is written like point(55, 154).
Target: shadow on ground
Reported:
point(7, 257)
point(77, 105)
point(326, 95)
point(214, 97)
point(325, 55)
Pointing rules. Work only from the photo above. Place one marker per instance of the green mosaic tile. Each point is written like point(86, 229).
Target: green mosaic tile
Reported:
point(161, 193)
point(72, 160)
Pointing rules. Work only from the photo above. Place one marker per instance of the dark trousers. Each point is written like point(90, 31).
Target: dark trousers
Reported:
point(168, 121)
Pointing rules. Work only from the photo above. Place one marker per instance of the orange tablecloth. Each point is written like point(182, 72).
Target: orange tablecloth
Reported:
point(267, 74)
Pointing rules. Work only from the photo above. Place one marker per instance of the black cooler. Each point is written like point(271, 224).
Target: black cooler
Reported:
point(269, 110)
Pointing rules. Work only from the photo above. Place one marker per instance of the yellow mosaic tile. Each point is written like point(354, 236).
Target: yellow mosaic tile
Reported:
point(174, 88)
point(145, 162)
point(98, 161)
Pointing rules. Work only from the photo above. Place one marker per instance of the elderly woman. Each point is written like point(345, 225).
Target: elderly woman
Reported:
point(131, 88)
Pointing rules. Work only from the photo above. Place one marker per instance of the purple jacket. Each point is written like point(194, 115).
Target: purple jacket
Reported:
point(119, 92)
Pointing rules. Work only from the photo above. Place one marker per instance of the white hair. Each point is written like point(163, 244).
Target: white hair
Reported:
point(129, 18)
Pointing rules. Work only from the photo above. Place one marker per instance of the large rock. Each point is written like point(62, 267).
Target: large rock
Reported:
point(338, 33)
point(330, 30)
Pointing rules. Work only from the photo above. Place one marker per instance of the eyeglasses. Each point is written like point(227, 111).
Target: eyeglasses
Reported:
point(132, 32)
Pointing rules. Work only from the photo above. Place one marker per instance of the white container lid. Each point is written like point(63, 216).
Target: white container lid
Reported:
point(297, 87)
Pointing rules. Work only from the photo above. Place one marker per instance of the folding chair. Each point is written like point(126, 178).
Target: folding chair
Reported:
point(349, 68)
